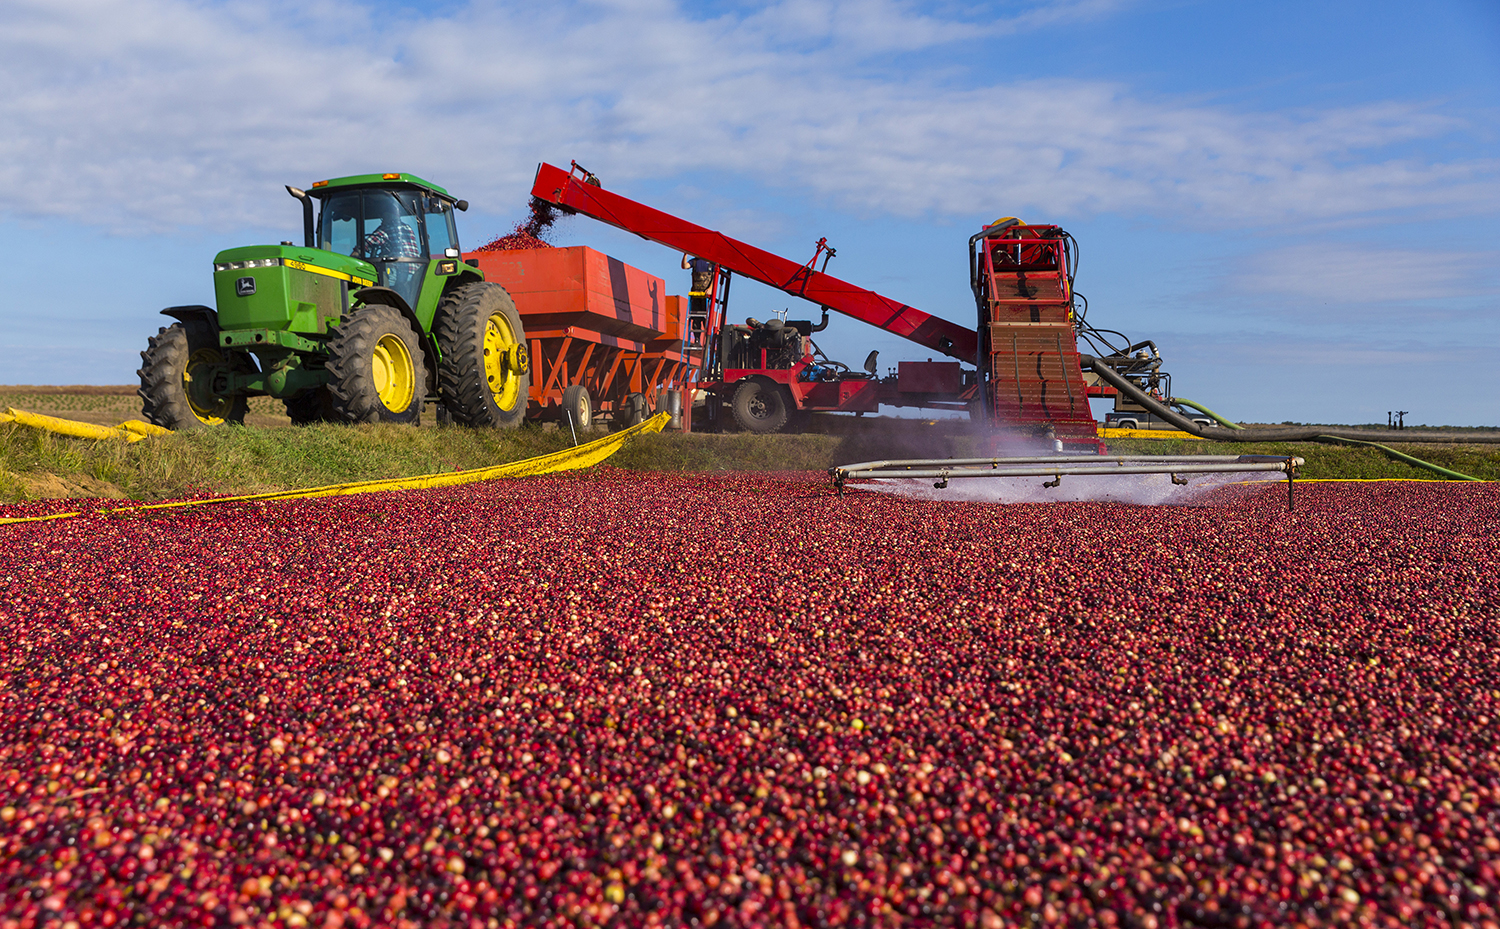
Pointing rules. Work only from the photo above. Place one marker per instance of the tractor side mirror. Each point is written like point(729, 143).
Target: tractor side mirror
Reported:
point(463, 206)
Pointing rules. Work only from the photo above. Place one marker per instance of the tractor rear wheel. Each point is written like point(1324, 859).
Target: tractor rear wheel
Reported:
point(759, 407)
point(313, 406)
point(485, 377)
point(377, 373)
point(170, 396)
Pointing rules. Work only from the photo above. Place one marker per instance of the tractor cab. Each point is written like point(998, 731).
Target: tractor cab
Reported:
point(399, 223)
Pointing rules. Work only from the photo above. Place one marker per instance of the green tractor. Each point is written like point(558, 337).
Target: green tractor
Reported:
point(371, 317)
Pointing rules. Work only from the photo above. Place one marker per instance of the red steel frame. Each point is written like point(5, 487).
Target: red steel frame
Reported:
point(610, 368)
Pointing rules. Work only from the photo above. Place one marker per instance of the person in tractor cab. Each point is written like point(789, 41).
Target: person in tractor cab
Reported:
point(387, 236)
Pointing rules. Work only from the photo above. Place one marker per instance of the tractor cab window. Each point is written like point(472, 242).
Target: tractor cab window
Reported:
point(372, 224)
point(392, 227)
point(339, 224)
point(441, 234)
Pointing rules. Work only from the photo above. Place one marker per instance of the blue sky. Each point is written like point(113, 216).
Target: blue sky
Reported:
point(1297, 201)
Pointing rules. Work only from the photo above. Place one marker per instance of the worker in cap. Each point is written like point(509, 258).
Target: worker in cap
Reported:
point(703, 274)
point(703, 282)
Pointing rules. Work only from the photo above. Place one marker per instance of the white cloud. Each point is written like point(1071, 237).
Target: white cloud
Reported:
point(1343, 274)
point(157, 113)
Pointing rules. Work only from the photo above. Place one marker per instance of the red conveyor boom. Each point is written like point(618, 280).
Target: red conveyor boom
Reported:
point(559, 187)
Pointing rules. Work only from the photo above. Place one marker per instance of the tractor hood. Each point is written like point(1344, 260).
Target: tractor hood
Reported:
point(356, 271)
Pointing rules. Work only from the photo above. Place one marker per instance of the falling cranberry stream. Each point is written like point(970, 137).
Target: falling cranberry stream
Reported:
point(634, 699)
point(530, 232)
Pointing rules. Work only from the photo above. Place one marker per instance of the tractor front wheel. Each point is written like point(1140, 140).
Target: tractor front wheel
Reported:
point(175, 372)
point(377, 373)
point(485, 377)
point(759, 407)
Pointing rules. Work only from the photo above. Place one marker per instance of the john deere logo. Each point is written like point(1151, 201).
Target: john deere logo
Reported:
point(244, 287)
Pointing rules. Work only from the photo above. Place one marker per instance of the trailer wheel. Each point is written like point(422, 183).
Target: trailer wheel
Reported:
point(312, 406)
point(376, 368)
point(485, 377)
point(578, 407)
point(170, 394)
point(635, 409)
point(760, 407)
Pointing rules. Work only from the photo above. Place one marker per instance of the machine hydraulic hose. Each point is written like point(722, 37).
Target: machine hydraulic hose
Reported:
point(1409, 459)
point(1183, 401)
point(1239, 433)
point(1272, 433)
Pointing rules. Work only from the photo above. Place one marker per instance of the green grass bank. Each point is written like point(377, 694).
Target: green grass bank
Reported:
point(250, 459)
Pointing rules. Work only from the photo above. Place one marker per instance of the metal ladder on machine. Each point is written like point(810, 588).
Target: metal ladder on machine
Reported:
point(717, 306)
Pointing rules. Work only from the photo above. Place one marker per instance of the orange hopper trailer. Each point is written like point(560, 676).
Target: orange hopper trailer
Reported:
point(604, 337)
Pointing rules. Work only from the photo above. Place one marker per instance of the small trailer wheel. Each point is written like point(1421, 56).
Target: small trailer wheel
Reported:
point(635, 409)
point(578, 407)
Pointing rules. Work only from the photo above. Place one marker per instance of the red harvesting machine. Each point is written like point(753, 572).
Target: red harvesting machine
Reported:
point(1026, 377)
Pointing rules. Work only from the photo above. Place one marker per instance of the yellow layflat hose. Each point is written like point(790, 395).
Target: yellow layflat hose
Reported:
point(1109, 432)
point(132, 430)
point(582, 456)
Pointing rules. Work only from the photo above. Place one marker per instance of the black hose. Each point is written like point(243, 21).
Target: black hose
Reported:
point(1272, 434)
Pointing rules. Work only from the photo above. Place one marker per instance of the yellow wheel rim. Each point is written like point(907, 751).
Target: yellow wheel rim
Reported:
point(505, 361)
point(395, 376)
point(209, 410)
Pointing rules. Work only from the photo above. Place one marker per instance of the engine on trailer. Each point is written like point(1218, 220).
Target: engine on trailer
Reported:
point(774, 345)
point(779, 344)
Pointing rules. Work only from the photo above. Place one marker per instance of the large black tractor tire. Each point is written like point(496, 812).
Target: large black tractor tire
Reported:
point(577, 407)
point(485, 377)
point(312, 406)
point(376, 370)
point(171, 358)
point(759, 407)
